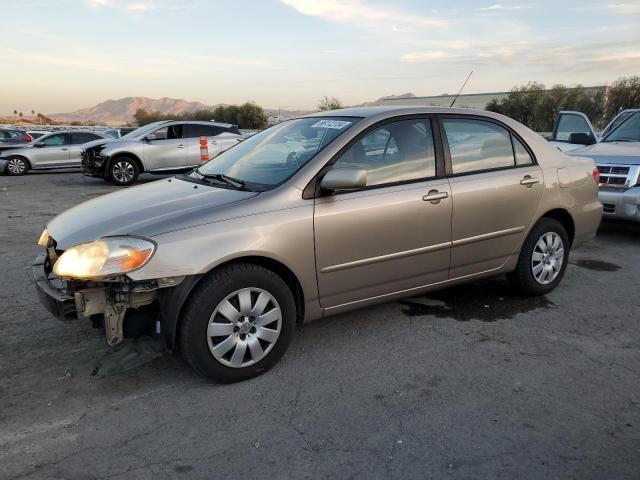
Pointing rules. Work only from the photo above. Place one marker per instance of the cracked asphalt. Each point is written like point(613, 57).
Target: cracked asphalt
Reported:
point(472, 382)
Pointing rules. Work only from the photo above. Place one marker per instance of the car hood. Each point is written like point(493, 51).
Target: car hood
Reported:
point(146, 210)
point(625, 153)
point(9, 147)
point(98, 143)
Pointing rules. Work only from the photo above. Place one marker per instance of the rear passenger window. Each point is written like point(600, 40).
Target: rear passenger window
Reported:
point(396, 152)
point(197, 130)
point(522, 155)
point(477, 145)
point(78, 138)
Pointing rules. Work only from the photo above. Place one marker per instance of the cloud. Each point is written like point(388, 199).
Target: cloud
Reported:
point(138, 7)
point(419, 57)
point(631, 8)
point(356, 12)
point(498, 7)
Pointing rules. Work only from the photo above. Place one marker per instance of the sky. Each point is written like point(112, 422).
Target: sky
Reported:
point(62, 55)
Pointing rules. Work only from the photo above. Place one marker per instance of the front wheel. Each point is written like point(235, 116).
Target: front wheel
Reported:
point(17, 166)
point(543, 258)
point(237, 323)
point(123, 171)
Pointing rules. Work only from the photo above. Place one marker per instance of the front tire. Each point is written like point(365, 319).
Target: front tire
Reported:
point(123, 171)
point(17, 166)
point(238, 323)
point(543, 258)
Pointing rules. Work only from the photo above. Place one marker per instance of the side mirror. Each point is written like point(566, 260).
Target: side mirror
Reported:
point(581, 139)
point(344, 179)
point(150, 138)
point(38, 145)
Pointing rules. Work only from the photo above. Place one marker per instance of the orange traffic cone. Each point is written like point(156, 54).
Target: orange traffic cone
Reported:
point(204, 149)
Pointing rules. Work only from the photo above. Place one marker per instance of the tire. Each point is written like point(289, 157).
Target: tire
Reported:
point(235, 353)
point(123, 171)
point(17, 166)
point(543, 258)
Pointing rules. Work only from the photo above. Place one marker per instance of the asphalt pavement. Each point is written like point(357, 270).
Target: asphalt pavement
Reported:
point(472, 382)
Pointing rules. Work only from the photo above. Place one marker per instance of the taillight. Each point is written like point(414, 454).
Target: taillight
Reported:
point(596, 175)
point(27, 138)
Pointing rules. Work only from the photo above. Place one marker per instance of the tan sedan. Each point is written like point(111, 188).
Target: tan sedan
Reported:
point(313, 217)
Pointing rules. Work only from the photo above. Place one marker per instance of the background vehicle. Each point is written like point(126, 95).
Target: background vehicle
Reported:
point(14, 137)
point(617, 156)
point(35, 134)
point(53, 150)
point(317, 216)
point(159, 147)
point(573, 130)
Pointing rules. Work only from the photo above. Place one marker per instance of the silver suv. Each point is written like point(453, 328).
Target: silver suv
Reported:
point(54, 150)
point(159, 147)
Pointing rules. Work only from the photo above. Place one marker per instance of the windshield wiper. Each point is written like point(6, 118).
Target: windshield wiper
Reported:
point(221, 177)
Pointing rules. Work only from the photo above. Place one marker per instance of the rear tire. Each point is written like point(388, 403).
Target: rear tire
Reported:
point(17, 166)
point(543, 258)
point(238, 323)
point(123, 171)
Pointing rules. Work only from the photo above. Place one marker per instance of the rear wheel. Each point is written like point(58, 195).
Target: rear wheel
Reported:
point(238, 323)
point(17, 166)
point(123, 171)
point(543, 258)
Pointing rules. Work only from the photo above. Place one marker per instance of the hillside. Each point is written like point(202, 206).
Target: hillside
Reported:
point(122, 110)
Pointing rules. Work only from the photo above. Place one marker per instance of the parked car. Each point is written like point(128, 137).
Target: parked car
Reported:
point(10, 136)
point(617, 156)
point(54, 150)
point(159, 147)
point(313, 217)
point(574, 130)
point(34, 134)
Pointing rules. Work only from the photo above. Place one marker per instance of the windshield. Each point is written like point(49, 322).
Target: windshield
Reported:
point(628, 131)
point(270, 157)
point(141, 131)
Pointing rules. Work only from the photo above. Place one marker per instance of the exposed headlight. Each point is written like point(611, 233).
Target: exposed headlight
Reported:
point(106, 257)
point(43, 241)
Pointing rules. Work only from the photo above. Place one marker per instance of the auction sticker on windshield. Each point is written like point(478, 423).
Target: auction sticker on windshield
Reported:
point(337, 124)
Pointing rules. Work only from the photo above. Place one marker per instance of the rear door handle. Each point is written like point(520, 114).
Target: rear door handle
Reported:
point(434, 196)
point(180, 146)
point(529, 181)
point(64, 149)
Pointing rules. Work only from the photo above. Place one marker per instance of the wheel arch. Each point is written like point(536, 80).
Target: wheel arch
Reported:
point(172, 303)
point(565, 218)
point(127, 154)
point(26, 159)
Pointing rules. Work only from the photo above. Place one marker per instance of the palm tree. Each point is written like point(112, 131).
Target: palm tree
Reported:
point(15, 112)
point(20, 115)
point(33, 112)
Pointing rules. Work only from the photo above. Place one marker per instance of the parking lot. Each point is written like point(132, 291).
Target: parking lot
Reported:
point(469, 382)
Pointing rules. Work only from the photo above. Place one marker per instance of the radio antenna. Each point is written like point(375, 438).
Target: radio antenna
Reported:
point(460, 91)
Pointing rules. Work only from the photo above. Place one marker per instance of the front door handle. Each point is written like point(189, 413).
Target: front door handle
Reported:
point(64, 149)
point(180, 146)
point(529, 181)
point(434, 196)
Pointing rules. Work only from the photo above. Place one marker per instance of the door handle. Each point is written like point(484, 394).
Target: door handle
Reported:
point(434, 196)
point(64, 149)
point(528, 181)
point(180, 146)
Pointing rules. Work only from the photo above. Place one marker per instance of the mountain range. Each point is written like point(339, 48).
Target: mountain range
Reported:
point(121, 111)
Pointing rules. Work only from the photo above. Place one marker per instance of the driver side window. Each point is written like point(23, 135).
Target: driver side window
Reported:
point(168, 133)
point(395, 152)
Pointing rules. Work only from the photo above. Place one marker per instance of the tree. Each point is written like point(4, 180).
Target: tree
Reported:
point(15, 112)
point(248, 115)
point(20, 115)
point(623, 93)
point(33, 112)
point(329, 103)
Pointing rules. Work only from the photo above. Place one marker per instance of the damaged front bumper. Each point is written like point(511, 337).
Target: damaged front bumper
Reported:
point(105, 303)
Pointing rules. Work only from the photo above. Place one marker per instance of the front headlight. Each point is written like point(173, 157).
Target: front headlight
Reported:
point(106, 257)
point(43, 241)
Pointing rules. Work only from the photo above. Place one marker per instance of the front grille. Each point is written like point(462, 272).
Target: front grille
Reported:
point(614, 176)
point(608, 208)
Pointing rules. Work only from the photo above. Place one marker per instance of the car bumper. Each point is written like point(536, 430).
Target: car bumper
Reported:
point(94, 167)
point(3, 165)
point(55, 300)
point(623, 205)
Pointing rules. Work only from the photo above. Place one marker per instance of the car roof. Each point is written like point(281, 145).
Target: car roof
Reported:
point(202, 122)
point(365, 112)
